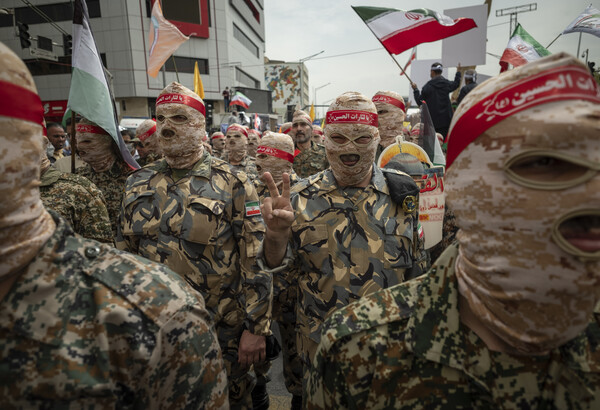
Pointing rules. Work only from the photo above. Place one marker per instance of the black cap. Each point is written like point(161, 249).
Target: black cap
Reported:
point(437, 67)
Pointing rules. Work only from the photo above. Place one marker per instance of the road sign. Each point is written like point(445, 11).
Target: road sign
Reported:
point(46, 55)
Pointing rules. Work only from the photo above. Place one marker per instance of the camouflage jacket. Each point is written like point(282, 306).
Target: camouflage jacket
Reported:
point(148, 159)
point(248, 165)
point(263, 191)
point(88, 326)
point(346, 243)
point(311, 161)
point(404, 347)
point(78, 201)
point(112, 185)
point(207, 227)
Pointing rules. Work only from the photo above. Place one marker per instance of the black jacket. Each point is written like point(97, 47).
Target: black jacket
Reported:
point(436, 95)
point(464, 91)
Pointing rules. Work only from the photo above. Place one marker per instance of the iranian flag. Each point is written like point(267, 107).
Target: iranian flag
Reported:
point(521, 49)
point(89, 95)
point(400, 30)
point(587, 22)
point(241, 100)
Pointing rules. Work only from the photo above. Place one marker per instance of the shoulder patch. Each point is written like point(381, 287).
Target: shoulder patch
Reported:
point(252, 208)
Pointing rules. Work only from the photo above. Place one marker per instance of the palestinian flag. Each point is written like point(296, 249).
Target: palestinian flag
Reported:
point(241, 100)
point(521, 49)
point(587, 22)
point(400, 30)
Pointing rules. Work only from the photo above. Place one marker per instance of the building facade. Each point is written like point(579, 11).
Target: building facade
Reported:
point(284, 80)
point(227, 39)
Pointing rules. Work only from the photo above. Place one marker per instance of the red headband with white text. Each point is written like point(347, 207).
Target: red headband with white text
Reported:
point(181, 99)
point(19, 102)
point(274, 152)
point(389, 100)
point(351, 117)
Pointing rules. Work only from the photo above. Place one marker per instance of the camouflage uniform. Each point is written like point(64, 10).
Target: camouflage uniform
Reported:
point(148, 159)
point(311, 161)
point(78, 201)
point(345, 243)
point(248, 165)
point(87, 326)
point(403, 347)
point(112, 185)
point(202, 227)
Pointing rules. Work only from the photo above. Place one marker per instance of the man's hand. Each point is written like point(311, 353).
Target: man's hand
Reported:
point(252, 349)
point(277, 210)
point(414, 86)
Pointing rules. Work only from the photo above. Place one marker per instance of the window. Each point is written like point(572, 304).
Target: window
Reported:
point(186, 65)
point(243, 38)
point(56, 12)
point(253, 9)
point(246, 79)
point(47, 67)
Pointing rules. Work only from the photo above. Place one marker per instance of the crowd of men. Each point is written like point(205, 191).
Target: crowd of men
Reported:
point(161, 287)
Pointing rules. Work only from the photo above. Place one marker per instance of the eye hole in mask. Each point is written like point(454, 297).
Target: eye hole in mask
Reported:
point(341, 140)
point(548, 170)
point(175, 119)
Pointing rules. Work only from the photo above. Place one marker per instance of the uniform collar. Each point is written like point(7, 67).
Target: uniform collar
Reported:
point(200, 169)
point(378, 181)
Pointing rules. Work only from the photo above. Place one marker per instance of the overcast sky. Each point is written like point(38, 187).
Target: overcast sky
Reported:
point(296, 29)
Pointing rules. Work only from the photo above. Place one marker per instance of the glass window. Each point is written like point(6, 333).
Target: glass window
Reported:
point(245, 40)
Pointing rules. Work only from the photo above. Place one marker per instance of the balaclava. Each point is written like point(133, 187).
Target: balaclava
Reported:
point(146, 133)
point(302, 126)
point(180, 124)
point(95, 146)
point(24, 223)
point(391, 113)
point(275, 154)
point(524, 185)
point(236, 143)
point(353, 116)
point(317, 134)
point(286, 128)
point(253, 141)
point(218, 142)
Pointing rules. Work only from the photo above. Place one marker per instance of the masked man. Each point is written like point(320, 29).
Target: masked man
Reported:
point(348, 231)
point(218, 144)
point(311, 157)
point(391, 113)
point(147, 148)
point(236, 144)
point(507, 317)
point(82, 324)
point(317, 134)
point(192, 213)
point(253, 141)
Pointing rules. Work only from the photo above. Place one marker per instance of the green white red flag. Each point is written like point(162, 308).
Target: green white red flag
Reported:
point(587, 22)
point(241, 100)
point(400, 30)
point(521, 49)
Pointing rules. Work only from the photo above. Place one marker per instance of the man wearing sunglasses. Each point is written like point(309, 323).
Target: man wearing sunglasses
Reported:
point(347, 231)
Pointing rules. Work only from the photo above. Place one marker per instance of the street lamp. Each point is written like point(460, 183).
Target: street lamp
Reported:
point(315, 92)
point(301, 61)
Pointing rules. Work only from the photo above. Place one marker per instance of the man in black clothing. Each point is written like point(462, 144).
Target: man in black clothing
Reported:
point(435, 94)
point(470, 83)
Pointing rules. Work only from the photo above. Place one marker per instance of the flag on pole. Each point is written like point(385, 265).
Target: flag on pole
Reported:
point(257, 122)
point(312, 112)
point(587, 22)
point(89, 95)
point(521, 49)
point(399, 30)
point(165, 38)
point(198, 87)
point(413, 56)
point(241, 100)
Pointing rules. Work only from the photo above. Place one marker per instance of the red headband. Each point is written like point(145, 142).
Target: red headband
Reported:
point(351, 117)
point(556, 84)
point(317, 131)
point(302, 117)
point(19, 102)
point(217, 136)
point(93, 129)
point(181, 99)
point(286, 130)
point(274, 152)
point(238, 127)
point(148, 133)
point(389, 100)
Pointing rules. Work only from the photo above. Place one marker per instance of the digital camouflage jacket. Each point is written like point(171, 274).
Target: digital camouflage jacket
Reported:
point(311, 161)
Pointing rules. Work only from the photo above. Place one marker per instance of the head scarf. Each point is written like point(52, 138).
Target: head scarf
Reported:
point(146, 133)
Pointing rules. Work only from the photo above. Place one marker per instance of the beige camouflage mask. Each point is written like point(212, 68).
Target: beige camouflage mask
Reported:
point(218, 141)
point(253, 141)
point(236, 143)
point(275, 154)
point(24, 223)
point(44, 161)
point(180, 124)
point(391, 114)
point(146, 132)
point(524, 184)
point(351, 137)
point(94, 146)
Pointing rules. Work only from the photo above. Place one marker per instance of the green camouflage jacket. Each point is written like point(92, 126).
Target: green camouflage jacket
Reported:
point(404, 348)
point(88, 326)
point(311, 161)
point(148, 159)
point(346, 243)
point(248, 165)
point(207, 227)
point(78, 201)
point(263, 191)
point(112, 185)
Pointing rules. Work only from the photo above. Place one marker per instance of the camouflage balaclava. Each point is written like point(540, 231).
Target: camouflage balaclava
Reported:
point(286, 128)
point(253, 141)
point(317, 134)
point(180, 123)
point(275, 154)
point(353, 117)
point(146, 133)
point(44, 161)
point(391, 113)
point(218, 142)
point(524, 185)
point(236, 143)
point(302, 126)
point(24, 223)
point(95, 146)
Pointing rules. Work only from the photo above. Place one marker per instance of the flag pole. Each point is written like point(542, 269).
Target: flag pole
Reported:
point(73, 142)
point(400, 67)
point(175, 65)
point(548, 46)
point(579, 45)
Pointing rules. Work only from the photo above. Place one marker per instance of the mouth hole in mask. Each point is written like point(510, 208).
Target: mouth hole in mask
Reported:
point(548, 170)
point(349, 160)
point(578, 233)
